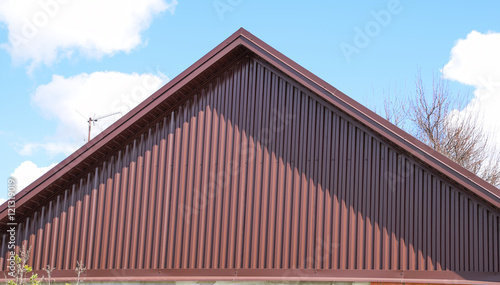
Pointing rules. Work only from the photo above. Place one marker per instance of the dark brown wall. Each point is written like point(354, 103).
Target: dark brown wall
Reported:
point(254, 171)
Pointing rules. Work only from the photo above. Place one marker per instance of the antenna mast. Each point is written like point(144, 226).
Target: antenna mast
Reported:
point(93, 120)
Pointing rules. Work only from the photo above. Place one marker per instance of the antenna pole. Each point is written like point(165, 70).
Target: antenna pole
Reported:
point(95, 120)
point(90, 126)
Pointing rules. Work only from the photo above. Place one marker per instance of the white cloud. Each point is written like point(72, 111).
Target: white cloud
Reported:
point(72, 100)
point(475, 61)
point(43, 31)
point(28, 172)
point(2, 200)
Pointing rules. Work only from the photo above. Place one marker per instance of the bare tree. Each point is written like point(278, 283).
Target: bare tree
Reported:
point(435, 120)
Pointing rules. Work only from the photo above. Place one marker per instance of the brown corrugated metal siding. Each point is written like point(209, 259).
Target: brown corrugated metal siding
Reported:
point(254, 171)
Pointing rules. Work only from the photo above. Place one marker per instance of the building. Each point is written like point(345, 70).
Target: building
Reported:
point(248, 167)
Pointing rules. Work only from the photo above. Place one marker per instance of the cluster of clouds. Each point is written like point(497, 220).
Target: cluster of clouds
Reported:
point(71, 101)
point(475, 61)
point(44, 32)
point(26, 173)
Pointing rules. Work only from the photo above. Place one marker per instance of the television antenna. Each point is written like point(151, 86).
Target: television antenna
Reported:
point(92, 121)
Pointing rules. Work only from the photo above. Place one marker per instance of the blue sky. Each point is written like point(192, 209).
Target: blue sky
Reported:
point(85, 56)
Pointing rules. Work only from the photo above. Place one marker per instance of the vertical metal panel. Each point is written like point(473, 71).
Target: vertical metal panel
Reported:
point(410, 216)
point(496, 243)
point(117, 253)
point(279, 183)
point(405, 216)
point(254, 171)
point(296, 141)
point(376, 207)
point(368, 206)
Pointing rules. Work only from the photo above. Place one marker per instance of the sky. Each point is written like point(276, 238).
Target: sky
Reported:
point(63, 61)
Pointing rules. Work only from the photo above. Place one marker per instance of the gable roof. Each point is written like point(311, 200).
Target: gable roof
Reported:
point(170, 95)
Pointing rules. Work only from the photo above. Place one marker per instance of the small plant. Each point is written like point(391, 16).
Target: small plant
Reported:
point(80, 268)
point(49, 270)
point(21, 270)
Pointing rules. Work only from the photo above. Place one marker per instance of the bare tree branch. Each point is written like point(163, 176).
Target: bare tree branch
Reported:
point(435, 120)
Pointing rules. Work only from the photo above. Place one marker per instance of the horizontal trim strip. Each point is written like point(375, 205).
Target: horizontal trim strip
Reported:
point(276, 275)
